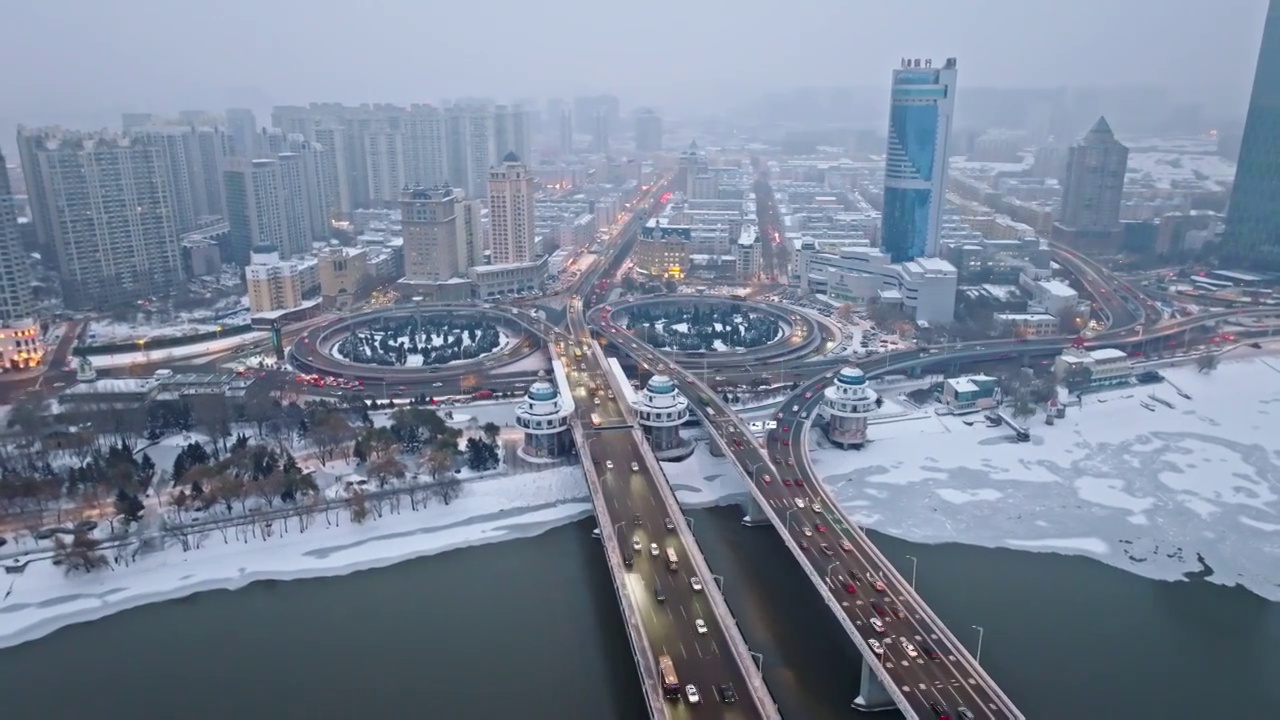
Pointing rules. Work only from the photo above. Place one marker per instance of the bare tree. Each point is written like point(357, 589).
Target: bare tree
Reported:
point(330, 431)
point(359, 507)
point(1207, 362)
point(79, 554)
point(385, 469)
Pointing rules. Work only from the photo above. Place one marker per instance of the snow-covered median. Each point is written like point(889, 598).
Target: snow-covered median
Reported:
point(1148, 489)
point(43, 599)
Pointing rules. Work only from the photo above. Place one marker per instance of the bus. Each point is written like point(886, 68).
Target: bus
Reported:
point(577, 354)
point(673, 563)
point(595, 419)
point(670, 683)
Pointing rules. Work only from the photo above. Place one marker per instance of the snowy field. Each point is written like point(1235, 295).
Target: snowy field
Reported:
point(1150, 491)
point(42, 599)
point(505, 342)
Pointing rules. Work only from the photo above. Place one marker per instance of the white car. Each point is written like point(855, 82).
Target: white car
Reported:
point(800, 503)
point(691, 694)
point(437, 384)
point(817, 508)
point(635, 467)
point(875, 646)
point(653, 549)
point(635, 544)
point(878, 626)
point(608, 464)
point(795, 408)
point(807, 532)
point(909, 648)
point(700, 626)
point(695, 583)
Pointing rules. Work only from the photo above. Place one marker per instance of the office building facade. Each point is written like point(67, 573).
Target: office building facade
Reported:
point(1252, 236)
point(922, 102)
point(1093, 191)
point(648, 132)
point(511, 212)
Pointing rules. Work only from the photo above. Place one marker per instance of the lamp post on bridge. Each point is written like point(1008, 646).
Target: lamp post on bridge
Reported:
point(978, 657)
point(834, 564)
point(759, 660)
point(720, 584)
point(913, 571)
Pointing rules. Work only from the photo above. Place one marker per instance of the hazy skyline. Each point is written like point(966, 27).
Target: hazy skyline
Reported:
point(82, 64)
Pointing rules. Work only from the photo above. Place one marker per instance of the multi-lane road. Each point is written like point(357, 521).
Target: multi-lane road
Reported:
point(938, 671)
point(849, 564)
point(669, 602)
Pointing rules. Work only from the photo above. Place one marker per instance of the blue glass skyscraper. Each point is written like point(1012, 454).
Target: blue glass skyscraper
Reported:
point(915, 171)
point(1253, 215)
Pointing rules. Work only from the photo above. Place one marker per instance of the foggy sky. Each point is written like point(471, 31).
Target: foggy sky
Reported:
point(82, 63)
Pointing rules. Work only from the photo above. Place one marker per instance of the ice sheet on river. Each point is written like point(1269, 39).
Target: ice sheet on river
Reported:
point(1145, 490)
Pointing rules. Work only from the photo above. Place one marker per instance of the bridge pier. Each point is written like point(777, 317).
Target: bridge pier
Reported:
point(872, 697)
point(755, 514)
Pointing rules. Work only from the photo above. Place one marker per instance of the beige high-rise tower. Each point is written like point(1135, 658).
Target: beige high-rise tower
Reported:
point(511, 200)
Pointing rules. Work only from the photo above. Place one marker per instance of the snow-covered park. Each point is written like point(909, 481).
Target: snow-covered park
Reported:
point(1152, 491)
point(427, 347)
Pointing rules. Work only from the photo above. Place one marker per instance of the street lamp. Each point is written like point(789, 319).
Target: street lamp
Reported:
point(828, 573)
point(913, 571)
point(786, 519)
point(759, 660)
point(689, 520)
point(719, 582)
point(978, 658)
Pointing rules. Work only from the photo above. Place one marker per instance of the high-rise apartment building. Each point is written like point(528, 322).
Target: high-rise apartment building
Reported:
point(214, 146)
point(21, 344)
point(337, 187)
point(242, 126)
point(566, 132)
point(588, 107)
point(600, 134)
point(320, 180)
point(182, 163)
point(1093, 191)
point(470, 144)
point(384, 162)
point(255, 208)
point(425, 146)
point(104, 205)
point(648, 132)
point(297, 197)
point(511, 212)
point(921, 104)
point(510, 131)
point(1252, 235)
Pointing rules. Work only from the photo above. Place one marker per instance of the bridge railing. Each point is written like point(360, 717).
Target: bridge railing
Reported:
point(824, 590)
point(962, 654)
point(732, 631)
point(759, 691)
point(643, 651)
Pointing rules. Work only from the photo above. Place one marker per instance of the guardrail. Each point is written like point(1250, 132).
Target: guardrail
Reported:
point(643, 651)
point(824, 590)
point(733, 633)
point(764, 699)
point(901, 582)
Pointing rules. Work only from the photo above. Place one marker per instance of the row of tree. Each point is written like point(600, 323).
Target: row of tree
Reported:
point(390, 342)
point(704, 327)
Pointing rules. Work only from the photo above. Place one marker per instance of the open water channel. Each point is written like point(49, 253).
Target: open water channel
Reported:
point(529, 629)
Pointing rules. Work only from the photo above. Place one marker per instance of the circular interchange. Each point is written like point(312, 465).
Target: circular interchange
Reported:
point(799, 332)
point(327, 350)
